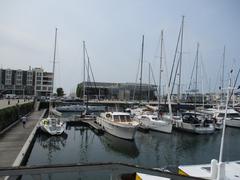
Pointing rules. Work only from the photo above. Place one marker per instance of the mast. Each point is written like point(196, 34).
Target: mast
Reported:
point(141, 69)
point(160, 75)
point(84, 71)
point(180, 62)
point(222, 93)
point(196, 76)
point(149, 80)
point(224, 123)
point(54, 57)
point(53, 71)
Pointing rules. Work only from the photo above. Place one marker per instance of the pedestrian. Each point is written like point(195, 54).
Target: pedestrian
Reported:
point(24, 119)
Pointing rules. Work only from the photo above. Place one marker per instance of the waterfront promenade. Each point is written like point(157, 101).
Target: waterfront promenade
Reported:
point(12, 141)
point(13, 102)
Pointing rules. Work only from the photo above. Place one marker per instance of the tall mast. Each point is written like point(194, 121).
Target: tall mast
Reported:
point(160, 74)
point(141, 69)
point(53, 71)
point(180, 63)
point(54, 57)
point(196, 76)
point(149, 80)
point(223, 63)
point(84, 70)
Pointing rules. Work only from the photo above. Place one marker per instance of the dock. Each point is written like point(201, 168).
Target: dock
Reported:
point(15, 143)
point(87, 120)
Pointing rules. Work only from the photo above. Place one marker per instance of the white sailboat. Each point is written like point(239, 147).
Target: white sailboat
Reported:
point(157, 122)
point(53, 125)
point(192, 121)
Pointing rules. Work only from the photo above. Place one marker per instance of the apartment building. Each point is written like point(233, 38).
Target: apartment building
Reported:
point(26, 82)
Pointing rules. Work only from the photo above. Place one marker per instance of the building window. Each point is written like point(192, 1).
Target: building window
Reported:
point(38, 87)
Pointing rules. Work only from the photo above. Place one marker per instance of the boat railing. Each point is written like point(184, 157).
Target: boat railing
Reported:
point(115, 171)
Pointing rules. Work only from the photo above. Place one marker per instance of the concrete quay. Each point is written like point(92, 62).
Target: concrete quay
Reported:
point(15, 143)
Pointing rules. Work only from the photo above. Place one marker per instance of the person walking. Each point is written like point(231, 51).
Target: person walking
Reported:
point(24, 120)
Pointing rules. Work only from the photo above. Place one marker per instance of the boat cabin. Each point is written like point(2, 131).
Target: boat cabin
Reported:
point(118, 117)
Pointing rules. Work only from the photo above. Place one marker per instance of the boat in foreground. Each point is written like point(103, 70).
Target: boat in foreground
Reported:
point(119, 124)
point(211, 171)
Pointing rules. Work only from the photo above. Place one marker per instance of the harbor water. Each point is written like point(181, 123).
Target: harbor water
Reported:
point(80, 144)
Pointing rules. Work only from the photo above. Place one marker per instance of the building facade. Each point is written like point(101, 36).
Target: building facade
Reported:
point(118, 91)
point(26, 82)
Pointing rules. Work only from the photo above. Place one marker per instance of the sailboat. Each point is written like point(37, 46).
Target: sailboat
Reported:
point(156, 122)
point(192, 121)
point(217, 170)
point(53, 125)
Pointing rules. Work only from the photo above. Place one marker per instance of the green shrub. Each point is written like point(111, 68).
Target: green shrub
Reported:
point(11, 114)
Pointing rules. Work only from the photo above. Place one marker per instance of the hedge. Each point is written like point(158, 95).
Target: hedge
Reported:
point(11, 114)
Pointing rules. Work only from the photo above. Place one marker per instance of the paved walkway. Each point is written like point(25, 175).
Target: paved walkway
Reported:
point(12, 141)
point(13, 102)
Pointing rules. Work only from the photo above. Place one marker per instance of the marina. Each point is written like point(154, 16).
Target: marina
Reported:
point(153, 149)
point(119, 90)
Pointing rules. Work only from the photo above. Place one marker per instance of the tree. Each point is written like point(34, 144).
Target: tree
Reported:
point(79, 90)
point(60, 92)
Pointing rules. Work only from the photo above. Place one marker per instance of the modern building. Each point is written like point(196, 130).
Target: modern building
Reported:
point(43, 82)
point(26, 82)
point(118, 91)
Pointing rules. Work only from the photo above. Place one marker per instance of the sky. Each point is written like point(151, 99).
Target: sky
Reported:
point(112, 30)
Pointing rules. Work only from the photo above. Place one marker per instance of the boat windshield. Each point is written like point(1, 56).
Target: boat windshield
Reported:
point(233, 115)
point(122, 118)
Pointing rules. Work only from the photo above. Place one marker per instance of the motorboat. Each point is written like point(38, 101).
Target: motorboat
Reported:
point(119, 124)
point(195, 123)
point(71, 108)
point(156, 123)
point(233, 116)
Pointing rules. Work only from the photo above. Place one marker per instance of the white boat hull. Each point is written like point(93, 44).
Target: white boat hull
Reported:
point(233, 122)
point(160, 125)
point(55, 129)
point(126, 131)
point(194, 129)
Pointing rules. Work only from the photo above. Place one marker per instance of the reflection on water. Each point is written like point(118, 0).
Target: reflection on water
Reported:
point(120, 146)
point(81, 145)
